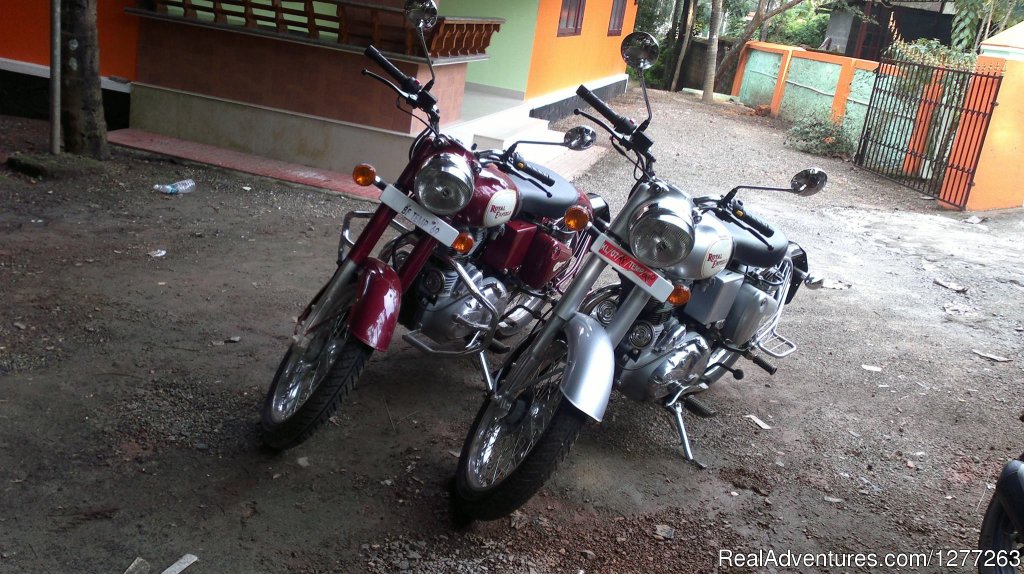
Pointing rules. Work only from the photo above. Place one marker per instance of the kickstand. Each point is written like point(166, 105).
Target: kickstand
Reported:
point(676, 408)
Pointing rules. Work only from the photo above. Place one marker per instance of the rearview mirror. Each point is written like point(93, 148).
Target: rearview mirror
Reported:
point(421, 14)
point(640, 50)
point(580, 138)
point(808, 182)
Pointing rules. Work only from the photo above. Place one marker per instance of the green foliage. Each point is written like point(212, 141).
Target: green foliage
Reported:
point(653, 16)
point(802, 25)
point(932, 53)
point(819, 135)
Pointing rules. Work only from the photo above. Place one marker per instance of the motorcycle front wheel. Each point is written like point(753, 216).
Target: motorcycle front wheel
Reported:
point(311, 383)
point(513, 448)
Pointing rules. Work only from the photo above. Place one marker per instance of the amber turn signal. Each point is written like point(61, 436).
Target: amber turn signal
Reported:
point(463, 243)
point(679, 296)
point(576, 218)
point(364, 174)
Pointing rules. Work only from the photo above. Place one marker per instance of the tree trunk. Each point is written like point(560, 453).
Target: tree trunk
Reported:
point(761, 16)
point(685, 33)
point(712, 56)
point(672, 45)
point(85, 130)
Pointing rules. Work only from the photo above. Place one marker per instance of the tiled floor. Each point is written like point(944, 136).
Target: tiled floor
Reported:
point(220, 157)
point(569, 164)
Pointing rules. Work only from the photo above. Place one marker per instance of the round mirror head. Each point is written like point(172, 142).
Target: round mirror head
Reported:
point(421, 14)
point(808, 182)
point(640, 50)
point(580, 138)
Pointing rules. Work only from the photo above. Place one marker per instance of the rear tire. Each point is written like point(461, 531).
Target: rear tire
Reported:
point(481, 494)
point(999, 538)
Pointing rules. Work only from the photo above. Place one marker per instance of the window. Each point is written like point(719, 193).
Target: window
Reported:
point(618, 15)
point(570, 21)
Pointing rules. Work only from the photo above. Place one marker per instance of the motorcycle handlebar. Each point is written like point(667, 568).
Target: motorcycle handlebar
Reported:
point(621, 124)
point(534, 172)
point(754, 222)
point(410, 85)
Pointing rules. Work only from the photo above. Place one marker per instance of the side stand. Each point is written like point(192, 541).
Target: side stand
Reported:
point(676, 408)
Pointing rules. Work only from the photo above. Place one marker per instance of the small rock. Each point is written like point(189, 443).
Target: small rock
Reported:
point(20, 326)
point(303, 461)
point(833, 499)
point(235, 339)
point(202, 446)
point(413, 555)
point(871, 368)
point(950, 285)
point(588, 554)
point(665, 531)
point(157, 253)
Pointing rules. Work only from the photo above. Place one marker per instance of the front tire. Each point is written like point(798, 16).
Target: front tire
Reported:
point(311, 383)
point(510, 452)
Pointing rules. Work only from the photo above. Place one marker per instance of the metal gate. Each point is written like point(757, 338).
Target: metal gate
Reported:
point(926, 124)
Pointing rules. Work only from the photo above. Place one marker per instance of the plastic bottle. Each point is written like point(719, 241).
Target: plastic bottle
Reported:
point(177, 188)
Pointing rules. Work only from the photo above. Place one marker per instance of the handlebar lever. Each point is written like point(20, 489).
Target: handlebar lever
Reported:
point(410, 98)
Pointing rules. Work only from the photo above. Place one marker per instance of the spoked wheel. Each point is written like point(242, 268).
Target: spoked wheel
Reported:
point(310, 383)
point(513, 448)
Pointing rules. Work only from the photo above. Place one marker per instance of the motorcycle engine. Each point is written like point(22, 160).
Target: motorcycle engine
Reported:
point(451, 305)
point(678, 358)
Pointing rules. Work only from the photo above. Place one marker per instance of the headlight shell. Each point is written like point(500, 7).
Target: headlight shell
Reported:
point(444, 184)
point(661, 231)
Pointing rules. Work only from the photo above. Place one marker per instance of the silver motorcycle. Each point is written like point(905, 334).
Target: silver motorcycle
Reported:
point(702, 282)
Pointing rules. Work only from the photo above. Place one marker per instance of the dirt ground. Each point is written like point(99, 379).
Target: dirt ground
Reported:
point(128, 416)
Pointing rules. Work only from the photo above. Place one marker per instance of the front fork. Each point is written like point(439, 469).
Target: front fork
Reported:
point(385, 294)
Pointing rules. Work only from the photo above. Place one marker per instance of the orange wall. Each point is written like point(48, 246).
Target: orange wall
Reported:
point(997, 183)
point(25, 34)
point(561, 62)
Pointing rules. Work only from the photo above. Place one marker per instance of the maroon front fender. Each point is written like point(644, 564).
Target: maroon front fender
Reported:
point(375, 312)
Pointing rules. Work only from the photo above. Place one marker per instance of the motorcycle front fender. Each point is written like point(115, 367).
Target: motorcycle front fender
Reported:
point(374, 314)
point(587, 382)
point(1010, 491)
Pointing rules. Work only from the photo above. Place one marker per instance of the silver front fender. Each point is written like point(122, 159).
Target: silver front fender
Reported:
point(591, 366)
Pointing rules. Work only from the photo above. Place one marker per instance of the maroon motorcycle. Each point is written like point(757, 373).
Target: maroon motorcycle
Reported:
point(485, 243)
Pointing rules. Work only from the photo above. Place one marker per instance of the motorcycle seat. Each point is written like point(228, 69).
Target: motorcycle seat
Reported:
point(536, 198)
point(750, 250)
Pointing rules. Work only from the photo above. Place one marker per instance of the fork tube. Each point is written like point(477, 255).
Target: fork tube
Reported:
point(416, 260)
point(367, 240)
point(628, 311)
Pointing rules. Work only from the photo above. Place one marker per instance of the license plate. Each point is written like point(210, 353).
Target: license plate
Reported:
point(419, 216)
point(640, 274)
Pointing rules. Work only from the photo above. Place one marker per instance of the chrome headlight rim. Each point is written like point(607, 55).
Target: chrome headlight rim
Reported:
point(670, 214)
point(444, 184)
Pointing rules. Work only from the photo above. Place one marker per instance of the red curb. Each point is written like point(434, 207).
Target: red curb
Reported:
point(243, 162)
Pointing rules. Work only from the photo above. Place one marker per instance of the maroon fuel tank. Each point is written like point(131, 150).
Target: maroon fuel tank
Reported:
point(495, 199)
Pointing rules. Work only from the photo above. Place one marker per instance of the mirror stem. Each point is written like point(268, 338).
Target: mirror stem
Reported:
point(430, 63)
point(643, 86)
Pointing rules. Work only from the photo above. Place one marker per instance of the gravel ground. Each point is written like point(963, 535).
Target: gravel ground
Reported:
point(130, 414)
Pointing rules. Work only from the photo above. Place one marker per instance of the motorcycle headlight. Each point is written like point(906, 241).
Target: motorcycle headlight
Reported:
point(661, 232)
point(444, 184)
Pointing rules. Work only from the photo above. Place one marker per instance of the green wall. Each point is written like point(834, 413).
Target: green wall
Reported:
point(810, 89)
point(759, 78)
point(857, 104)
point(508, 63)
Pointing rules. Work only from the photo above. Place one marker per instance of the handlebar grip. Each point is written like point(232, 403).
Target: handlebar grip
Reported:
point(620, 123)
point(754, 222)
point(534, 172)
point(385, 64)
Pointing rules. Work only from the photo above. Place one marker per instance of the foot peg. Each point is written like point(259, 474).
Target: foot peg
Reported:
point(699, 407)
point(812, 281)
point(676, 409)
point(760, 362)
point(498, 347)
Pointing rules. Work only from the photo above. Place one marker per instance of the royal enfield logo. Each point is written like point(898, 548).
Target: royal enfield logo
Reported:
point(500, 211)
point(716, 260)
point(627, 263)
